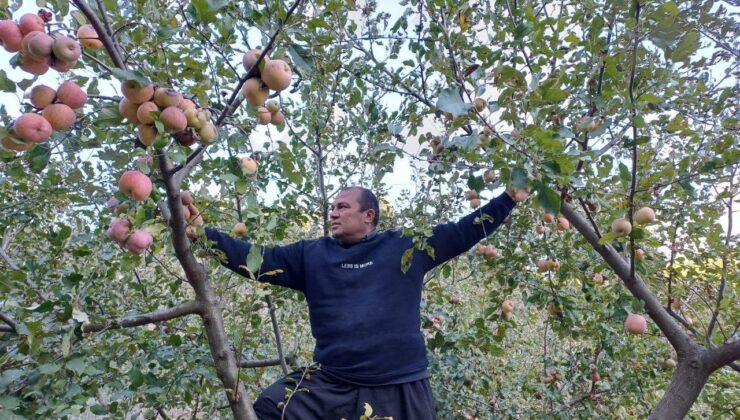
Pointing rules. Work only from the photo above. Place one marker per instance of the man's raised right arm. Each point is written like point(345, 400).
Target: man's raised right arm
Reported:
point(285, 262)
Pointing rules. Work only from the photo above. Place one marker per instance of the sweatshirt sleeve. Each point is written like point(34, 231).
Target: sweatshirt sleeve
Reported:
point(452, 239)
point(288, 259)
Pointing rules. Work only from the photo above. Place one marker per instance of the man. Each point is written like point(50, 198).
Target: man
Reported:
point(364, 309)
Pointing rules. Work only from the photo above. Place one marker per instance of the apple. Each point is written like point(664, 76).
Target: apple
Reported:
point(263, 116)
point(136, 185)
point(272, 106)
point(490, 176)
point(66, 49)
point(135, 92)
point(186, 137)
point(88, 37)
point(174, 119)
point(480, 104)
point(254, 91)
point(38, 45)
point(35, 67)
point(563, 224)
point(71, 94)
point(644, 216)
point(147, 134)
point(31, 22)
point(118, 230)
point(12, 143)
point(480, 250)
point(139, 242)
point(10, 35)
point(186, 212)
point(60, 116)
point(250, 59)
point(469, 195)
point(639, 254)
point(554, 309)
point(676, 304)
point(548, 218)
point(475, 203)
point(186, 104)
point(539, 229)
point(186, 198)
point(240, 229)
point(128, 109)
point(621, 227)
point(42, 96)
point(277, 75)
point(60, 65)
point(454, 300)
point(278, 118)
point(543, 265)
point(208, 134)
point(597, 278)
point(490, 253)
point(165, 97)
point(32, 128)
point(111, 204)
point(670, 363)
point(249, 165)
point(635, 324)
point(508, 306)
point(196, 216)
point(144, 112)
point(553, 265)
point(508, 315)
point(196, 118)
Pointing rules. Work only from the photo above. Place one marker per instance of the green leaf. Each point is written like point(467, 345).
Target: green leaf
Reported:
point(519, 178)
point(406, 260)
point(368, 410)
point(131, 75)
point(6, 85)
point(547, 198)
point(136, 377)
point(254, 258)
point(175, 340)
point(38, 158)
point(206, 9)
point(686, 47)
point(650, 98)
point(450, 100)
point(76, 365)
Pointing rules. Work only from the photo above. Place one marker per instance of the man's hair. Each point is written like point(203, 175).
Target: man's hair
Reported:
point(368, 201)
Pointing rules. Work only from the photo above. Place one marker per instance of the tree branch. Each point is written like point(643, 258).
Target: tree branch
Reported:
point(289, 359)
point(234, 100)
point(675, 335)
point(278, 340)
point(728, 239)
point(722, 355)
point(187, 308)
point(108, 42)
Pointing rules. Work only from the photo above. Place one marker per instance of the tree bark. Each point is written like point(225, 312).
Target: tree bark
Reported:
point(223, 357)
point(688, 380)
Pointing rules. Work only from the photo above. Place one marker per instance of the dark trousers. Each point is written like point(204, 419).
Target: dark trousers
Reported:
point(316, 395)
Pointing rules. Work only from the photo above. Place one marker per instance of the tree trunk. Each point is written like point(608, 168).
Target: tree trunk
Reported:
point(688, 380)
point(223, 357)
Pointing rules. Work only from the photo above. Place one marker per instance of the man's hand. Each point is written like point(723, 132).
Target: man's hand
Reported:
point(518, 195)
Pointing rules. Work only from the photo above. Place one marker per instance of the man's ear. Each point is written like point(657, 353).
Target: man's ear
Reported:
point(370, 215)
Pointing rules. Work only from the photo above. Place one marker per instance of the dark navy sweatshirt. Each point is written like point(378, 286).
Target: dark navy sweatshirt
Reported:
point(364, 310)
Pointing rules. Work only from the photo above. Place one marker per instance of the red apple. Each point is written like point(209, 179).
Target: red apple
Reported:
point(71, 94)
point(10, 36)
point(118, 230)
point(32, 128)
point(635, 324)
point(30, 22)
point(621, 227)
point(277, 75)
point(136, 185)
point(139, 242)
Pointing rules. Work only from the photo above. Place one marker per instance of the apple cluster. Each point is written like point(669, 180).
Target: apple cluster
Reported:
point(40, 51)
point(545, 265)
point(270, 114)
point(488, 252)
point(137, 186)
point(507, 309)
point(193, 216)
point(473, 199)
point(179, 116)
point(57, 114)
point(622, 227)
point(561, 224)
point(271, 74)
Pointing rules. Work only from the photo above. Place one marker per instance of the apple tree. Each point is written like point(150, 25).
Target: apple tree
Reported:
point(128, 126)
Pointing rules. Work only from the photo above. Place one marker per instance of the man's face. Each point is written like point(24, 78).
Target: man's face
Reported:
point(348, 223)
